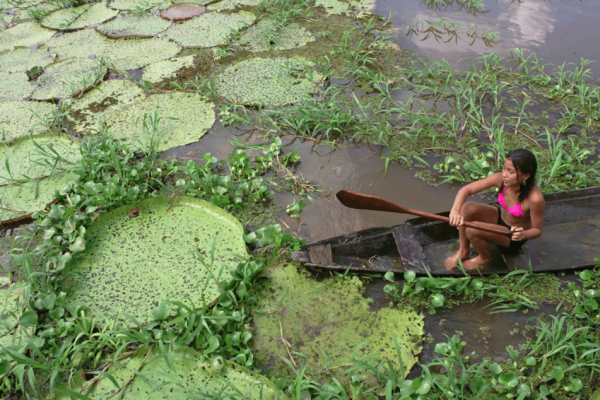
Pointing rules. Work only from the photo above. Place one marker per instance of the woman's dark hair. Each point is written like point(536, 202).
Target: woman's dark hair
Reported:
point(524, 161)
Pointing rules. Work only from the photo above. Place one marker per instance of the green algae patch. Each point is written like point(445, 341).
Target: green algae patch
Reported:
point(80, 44)
point(96, 14)
point(14, 86)
point(19, 118)
point(27, 34)
point(134, 264)
point(5, 19)
point(266, 36)
point(22, 59)
point(192, 371)
point(275, 82)
point(332, 316)
point(61, 19)
point(134, 26)
point(21, 157)
point(209, 30)
point(22, 199)
point(232, 4)
point(137, 53)
point(166, 69)
point(67, 78)
point(184, 119)
point(100, 102)
point(134, 5)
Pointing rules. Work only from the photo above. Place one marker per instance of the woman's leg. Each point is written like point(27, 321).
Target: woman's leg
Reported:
point(473, 212)
point(480, 241)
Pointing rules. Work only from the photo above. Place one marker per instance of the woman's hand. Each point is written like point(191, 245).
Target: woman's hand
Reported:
point(456, 219)
point(518, 233)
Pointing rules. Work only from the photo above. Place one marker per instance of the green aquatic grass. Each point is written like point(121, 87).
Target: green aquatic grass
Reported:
point(133, 25)
point(166, 69)
point(26, 34)
point(271, 35)
point(14, 86)
point(22, 59)
point(67, 78)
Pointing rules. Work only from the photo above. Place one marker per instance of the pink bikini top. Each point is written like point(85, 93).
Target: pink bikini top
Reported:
point(514, 210)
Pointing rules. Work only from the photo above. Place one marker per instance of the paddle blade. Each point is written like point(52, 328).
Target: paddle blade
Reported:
point(363, 201)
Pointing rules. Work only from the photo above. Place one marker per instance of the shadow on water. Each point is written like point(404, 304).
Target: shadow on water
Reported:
point(558, 31)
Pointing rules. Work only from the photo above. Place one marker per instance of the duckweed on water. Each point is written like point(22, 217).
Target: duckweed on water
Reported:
point(134, 26)
point(14, 86)
point(19, 118)
point(66, 78)
point(26, 34)
point(22, 59)
point(133, 264)
point(184, 118)
point(166, 69)
point(266, 36)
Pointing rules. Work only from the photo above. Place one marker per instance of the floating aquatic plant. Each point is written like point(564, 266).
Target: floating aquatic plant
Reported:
point(336, 7)
point(183, 118)
point(13, 336)
point(134, 5)
point(133, 264)
point(61, 19)
point(270, 81)
point(180, 12)
point(134, 26)
point(80, 44)
point(22, 59)
point(67, 78)
point(24, 35)
point(232, 4)
point(19, 118)
point(14, 86)
point(268, 35)
point(209, 30)
point(166, 69)
point(137, 53)
point(96, 14)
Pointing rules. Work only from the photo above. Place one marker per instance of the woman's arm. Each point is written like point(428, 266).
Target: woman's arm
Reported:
point(474, 187)
point(537, 208)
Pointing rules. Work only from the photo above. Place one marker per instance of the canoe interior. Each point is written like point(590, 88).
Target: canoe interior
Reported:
point(571, 239)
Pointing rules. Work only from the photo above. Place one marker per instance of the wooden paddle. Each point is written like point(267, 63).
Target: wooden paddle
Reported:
point(363, 201)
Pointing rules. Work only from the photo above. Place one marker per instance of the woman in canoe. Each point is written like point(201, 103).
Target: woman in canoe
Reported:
point(520, 207)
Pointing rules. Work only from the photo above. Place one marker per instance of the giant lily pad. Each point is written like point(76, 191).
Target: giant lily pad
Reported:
point(269, 81)
point(19, 118)
point(192, 372)
point(231, 4)
point(209, 30)
point(61, 19)
point(5, 19)
point(11, 305)
point(133, 264)
point(14, 86)
point(96, 14)
point(265, 36)
point(336, 7)
point(134, 26)
point(134, 5)
point(80, 44)
point(137, 53)
point(331, 315)
point(166, 69)
point(24, 162)
point(24, 35)
point(108, 97)
point(184, 118)
point(180, 12)
point(23, 59)
point(67, 78)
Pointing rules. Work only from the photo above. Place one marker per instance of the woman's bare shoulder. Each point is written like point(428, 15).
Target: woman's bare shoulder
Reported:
point(536, 196)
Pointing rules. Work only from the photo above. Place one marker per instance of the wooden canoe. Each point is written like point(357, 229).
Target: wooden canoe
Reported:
point(570, 240)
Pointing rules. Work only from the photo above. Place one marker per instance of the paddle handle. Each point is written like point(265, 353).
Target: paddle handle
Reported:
point(482, 226)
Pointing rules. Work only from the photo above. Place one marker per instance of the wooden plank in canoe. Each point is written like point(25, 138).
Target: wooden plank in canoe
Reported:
point(321, 254)
point(410, 249)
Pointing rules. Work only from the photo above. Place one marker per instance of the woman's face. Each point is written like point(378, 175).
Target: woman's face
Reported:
point(511, 175)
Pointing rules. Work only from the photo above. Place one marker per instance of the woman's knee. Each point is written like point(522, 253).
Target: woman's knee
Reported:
point(468, 209)
point(472, 233)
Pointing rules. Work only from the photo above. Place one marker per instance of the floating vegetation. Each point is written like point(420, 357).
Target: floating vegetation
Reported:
point(19, 118)
point(96, 14)
point(12, 335)
point(180, 12)
point(106, 98)
point(330, 316)
point(232, 4)
point(22, 59)
point(68, 78)
point(134, 5)
point(137, 53)
point(134, 26)
point(24, 161)
point(336, 7)
point(209, 30)
point(184, 118)
point(133, 263)
point(81, 44)
point(26, 34)
point(271, 35)
point(14, 87)
point(188, 373)
point(276, 81)
point(166, 69)
point(5, 19)
point(61, 19)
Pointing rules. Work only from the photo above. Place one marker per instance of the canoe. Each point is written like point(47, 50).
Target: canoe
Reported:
point(570, 240)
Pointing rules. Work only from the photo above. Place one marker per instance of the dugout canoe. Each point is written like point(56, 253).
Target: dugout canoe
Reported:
point(570, 240)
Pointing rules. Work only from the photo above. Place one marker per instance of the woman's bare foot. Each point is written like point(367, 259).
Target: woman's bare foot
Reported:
point(477, 262)
point(452, 261)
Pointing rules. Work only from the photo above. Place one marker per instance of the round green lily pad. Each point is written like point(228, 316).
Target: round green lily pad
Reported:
point(184, 119)
point(24, 35)
point(195, 375)
point(61, 19)
point(12, 306)
point(14, 86)
point(134, 26)
point(80, 44)
point(232, 4)
point(5, 19)
point(106, 98)
point(133, 264)
point(265, 36)
point(22, 59)
point(199, 2)
point(67, 78)
point(137, 53)
point(19, 118)
point(96, 14)
point(134, 5)
point(166, 69)
point(182, 11)
point(24, 162)
point(209, 30)
point(269, 81)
